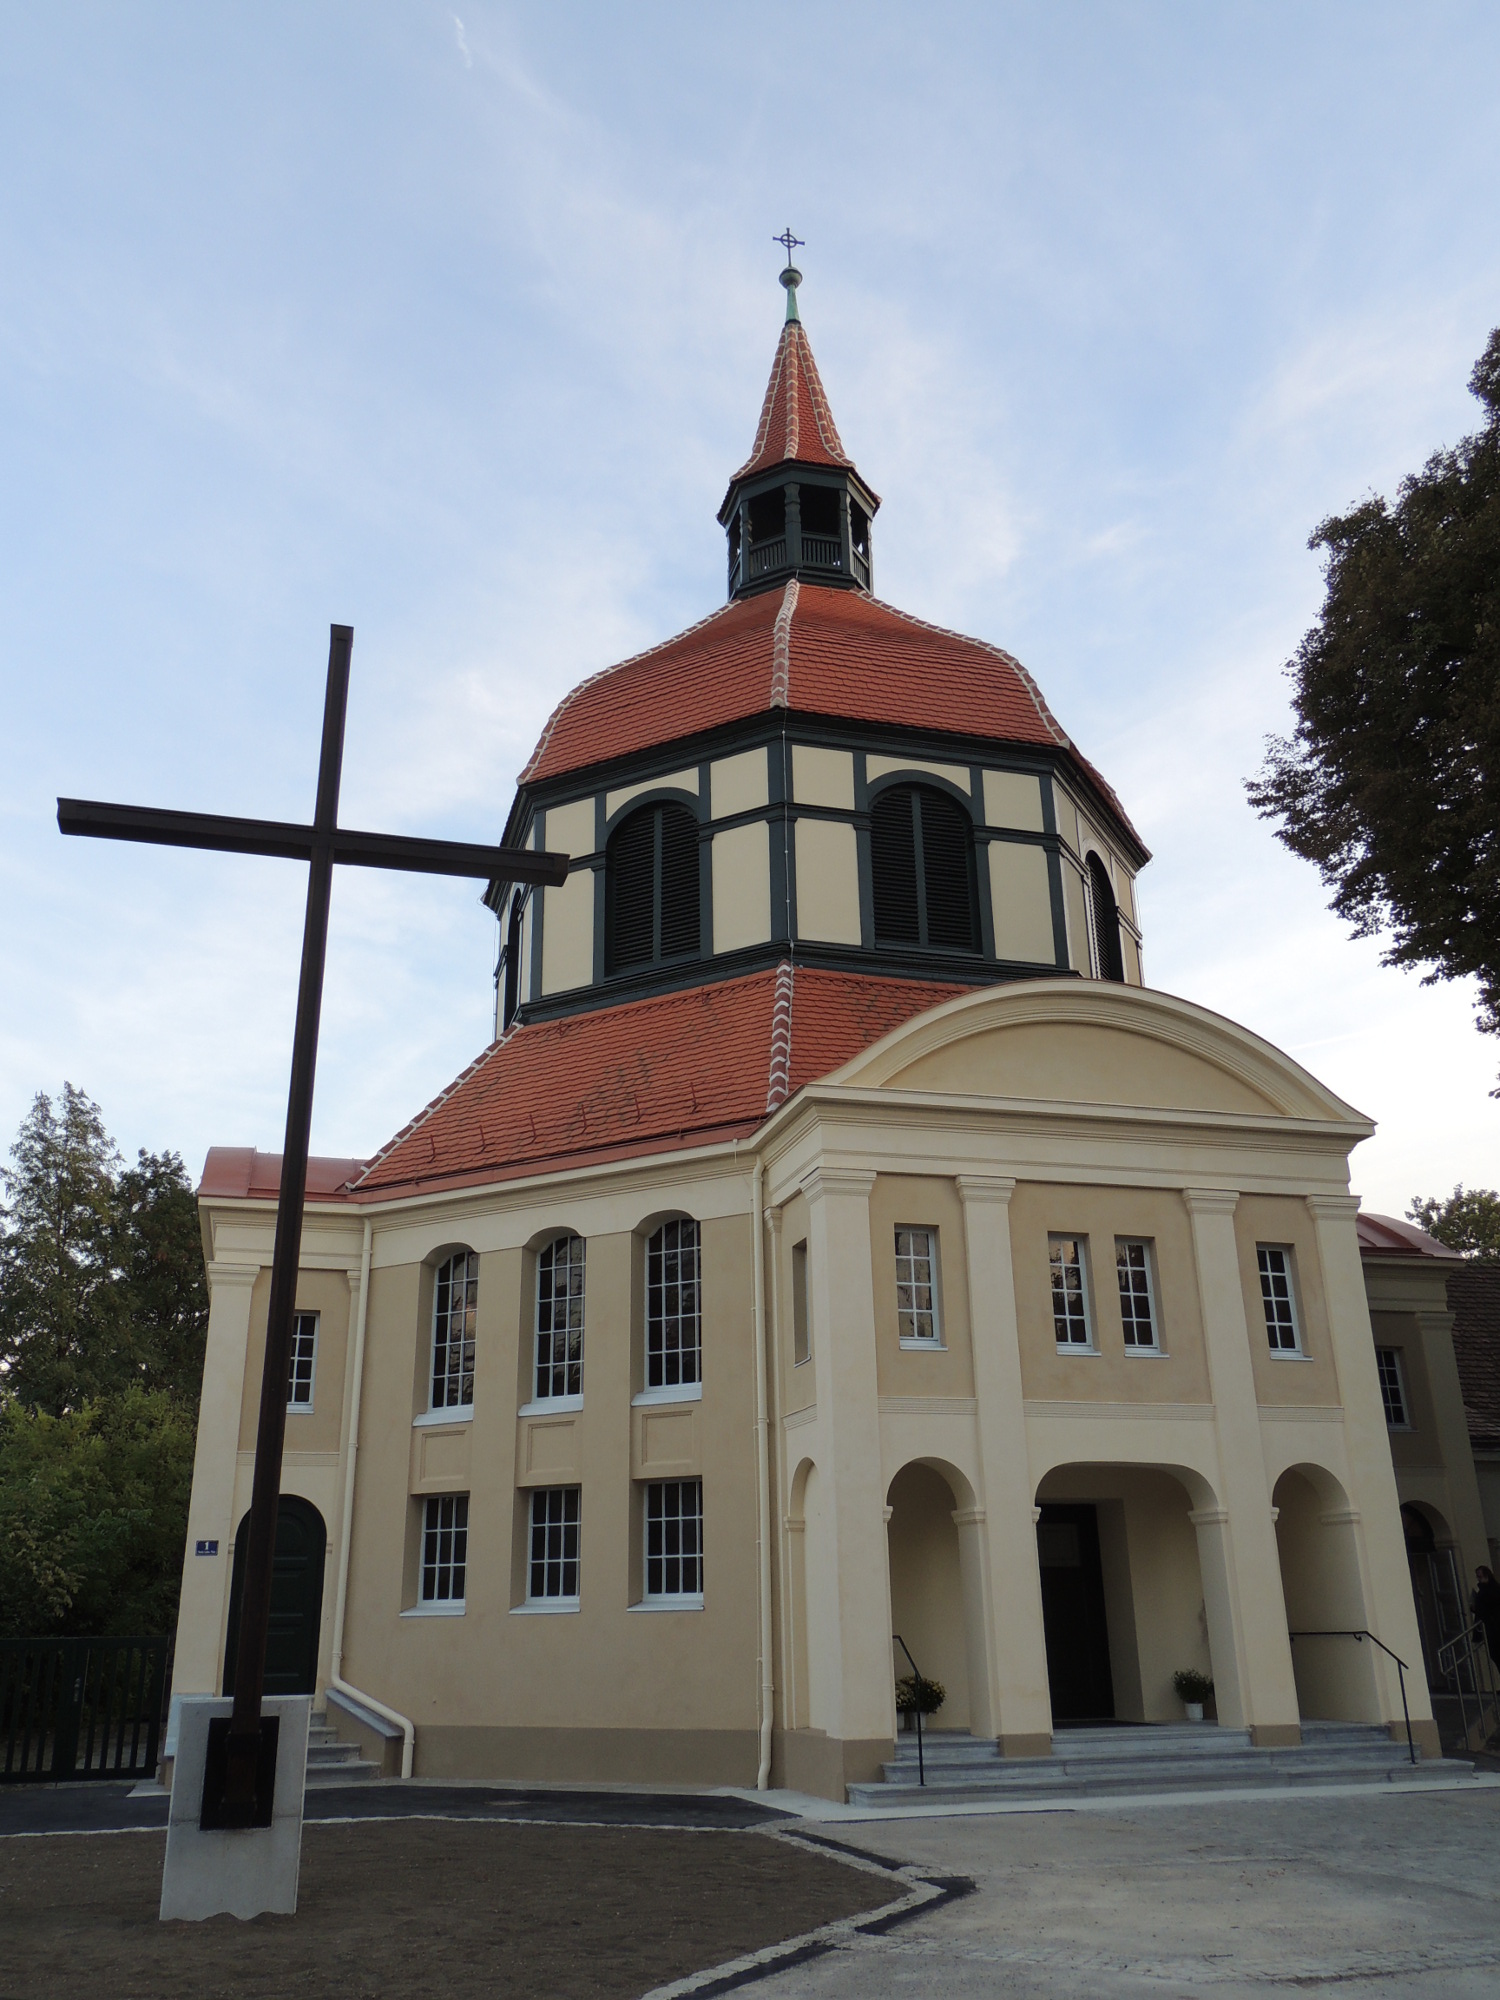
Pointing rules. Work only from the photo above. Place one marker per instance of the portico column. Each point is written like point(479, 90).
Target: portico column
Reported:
point(1252, 1656)
point(1020, 1704)
point(1375, 1508)
point(205, 1579)
point(857, 1628)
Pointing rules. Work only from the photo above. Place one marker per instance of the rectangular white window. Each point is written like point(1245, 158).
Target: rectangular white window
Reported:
point(445, 1548)
point(674, 1540)
point(559, 1318)
point(1393, 1388)
point(552, 1568)
point(299, 1394)
point(916, 1288)
point(1068, 1256)
point(674, 1327)
point(455, 1309)
point(1137, 1294)
point(1278, 1300)
point(801, 1328)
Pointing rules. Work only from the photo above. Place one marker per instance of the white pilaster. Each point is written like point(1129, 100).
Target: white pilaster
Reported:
point(1020, 1707)
point(1252, 1656)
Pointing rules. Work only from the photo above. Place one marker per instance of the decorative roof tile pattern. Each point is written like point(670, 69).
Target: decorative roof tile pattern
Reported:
point(817, 651)
point(682, 1069)
point(1474, 1301)
point(795, 419)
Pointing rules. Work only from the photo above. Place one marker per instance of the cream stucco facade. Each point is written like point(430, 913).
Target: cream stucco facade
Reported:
point(878, 1484)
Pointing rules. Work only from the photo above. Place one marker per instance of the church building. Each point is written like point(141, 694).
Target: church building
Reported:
point(840, 1257)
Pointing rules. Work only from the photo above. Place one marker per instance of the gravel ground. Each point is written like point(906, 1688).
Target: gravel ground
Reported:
point(427, 1907)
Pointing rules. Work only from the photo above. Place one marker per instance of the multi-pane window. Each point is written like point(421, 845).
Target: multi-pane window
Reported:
point(1277, 1297)
point(445, 1548)
point(674, 1321)
point(1393, 1388)
point(801, 1326)
point(916, 1287)
point(299, 1390)
point(559, 1318)
point(674, 1539)
point(455, 1305)
point(552, 1568)
point(1137, 1306)
point(1068, 1256)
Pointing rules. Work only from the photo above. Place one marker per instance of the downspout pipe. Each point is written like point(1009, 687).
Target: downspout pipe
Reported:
point(762, 1473)
point(346, 1525)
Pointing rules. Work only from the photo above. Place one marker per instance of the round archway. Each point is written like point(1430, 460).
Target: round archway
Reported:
point(296, 1598)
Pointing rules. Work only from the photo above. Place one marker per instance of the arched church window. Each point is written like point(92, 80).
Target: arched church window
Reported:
point(559, 1318)
point(651, 873)
point(1104, 923)
point(922, 859)
point(511, 968)
point(455, 1309)
point(674, 1314)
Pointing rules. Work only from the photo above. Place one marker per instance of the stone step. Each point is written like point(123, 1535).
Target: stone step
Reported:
point(330, 1761)
point(1168, 1757)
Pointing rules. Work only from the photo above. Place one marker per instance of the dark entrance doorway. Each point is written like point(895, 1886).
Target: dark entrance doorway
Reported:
point(296, 1598)
point(1067, 1548)
point(1435, 1587)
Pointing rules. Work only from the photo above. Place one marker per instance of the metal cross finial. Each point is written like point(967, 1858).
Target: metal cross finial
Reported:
point(791, 277)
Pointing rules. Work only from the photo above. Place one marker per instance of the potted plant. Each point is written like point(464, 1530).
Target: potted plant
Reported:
point(916, 1695)
point(1193, 1689)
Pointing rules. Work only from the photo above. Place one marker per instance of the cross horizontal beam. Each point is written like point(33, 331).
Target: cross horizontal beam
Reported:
point(224, 835)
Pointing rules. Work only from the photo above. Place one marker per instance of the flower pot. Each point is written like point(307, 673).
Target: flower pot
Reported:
point(1194, 1710)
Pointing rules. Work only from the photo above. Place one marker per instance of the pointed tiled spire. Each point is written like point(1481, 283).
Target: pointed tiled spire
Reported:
point(795, 420)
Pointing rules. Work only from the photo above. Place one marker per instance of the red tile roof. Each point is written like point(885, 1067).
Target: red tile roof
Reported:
point(682, 1069)
point(240, 1172)
point(812, 649)
point(1387, 1236)
point(795, 419)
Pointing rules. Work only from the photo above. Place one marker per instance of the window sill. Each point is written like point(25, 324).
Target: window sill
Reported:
point(1288, 1354)
point(670, 1603)
point(545, 1607)
point(925, 1346)
point(551, 1406)
point(1145, 1354)
point(460, 1413)
point(1074, 1347)
point(680, 1392)
point(449, 1610)
point(299, 1409)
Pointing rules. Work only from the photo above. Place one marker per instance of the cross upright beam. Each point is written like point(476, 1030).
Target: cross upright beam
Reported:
point(240, 1775)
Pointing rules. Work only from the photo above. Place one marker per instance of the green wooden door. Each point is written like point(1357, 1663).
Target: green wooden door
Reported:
point(296, 1598)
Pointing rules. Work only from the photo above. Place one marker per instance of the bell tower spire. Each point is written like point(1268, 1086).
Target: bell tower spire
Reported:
point(797, 507)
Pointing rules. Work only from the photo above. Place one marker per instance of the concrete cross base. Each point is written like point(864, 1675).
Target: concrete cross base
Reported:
point(252, 1870)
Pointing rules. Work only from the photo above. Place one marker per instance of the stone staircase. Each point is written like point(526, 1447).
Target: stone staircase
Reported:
point(330, 1762)
point(1153, 1757)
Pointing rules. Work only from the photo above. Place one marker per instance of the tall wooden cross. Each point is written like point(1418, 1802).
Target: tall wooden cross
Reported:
point(239, 1785)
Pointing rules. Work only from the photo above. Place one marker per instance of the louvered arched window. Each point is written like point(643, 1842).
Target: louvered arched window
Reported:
point(652, 887)
point(922, 859)
point(1104, 923)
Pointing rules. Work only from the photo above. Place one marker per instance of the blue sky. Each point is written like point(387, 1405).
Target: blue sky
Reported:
point(451, 326)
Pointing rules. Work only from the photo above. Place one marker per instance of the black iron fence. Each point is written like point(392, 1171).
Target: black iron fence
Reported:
point(81, 1708)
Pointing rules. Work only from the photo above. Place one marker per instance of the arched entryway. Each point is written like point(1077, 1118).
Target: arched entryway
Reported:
point(1436, 1587)
point(1122, 1590)
point(1323, 1593)
point(296, 1598)
point(931, 1594)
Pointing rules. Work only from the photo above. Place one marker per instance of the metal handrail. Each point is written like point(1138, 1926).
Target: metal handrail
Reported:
point(918, 1676)
point(1400, 1671)
point(1482, 1684)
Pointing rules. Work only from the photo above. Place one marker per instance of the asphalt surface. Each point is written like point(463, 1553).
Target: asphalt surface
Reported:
point(91, 1808)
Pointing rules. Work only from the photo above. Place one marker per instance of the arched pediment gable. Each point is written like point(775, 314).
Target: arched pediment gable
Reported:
point(1091, 1042)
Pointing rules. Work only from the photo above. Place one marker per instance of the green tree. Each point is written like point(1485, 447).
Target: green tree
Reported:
point(1469, 1220)
point(1390, 781)
point(102, 1285)
point(93, 1515)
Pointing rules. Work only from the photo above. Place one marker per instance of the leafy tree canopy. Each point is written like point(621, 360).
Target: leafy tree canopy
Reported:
point(102, 1286)
point(1469, 1220)
point(1390, 781)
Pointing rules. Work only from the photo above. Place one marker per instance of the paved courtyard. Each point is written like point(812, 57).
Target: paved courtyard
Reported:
point(1382, 1894)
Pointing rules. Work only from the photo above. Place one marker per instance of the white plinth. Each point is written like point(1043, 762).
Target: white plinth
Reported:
point(248, 1871)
